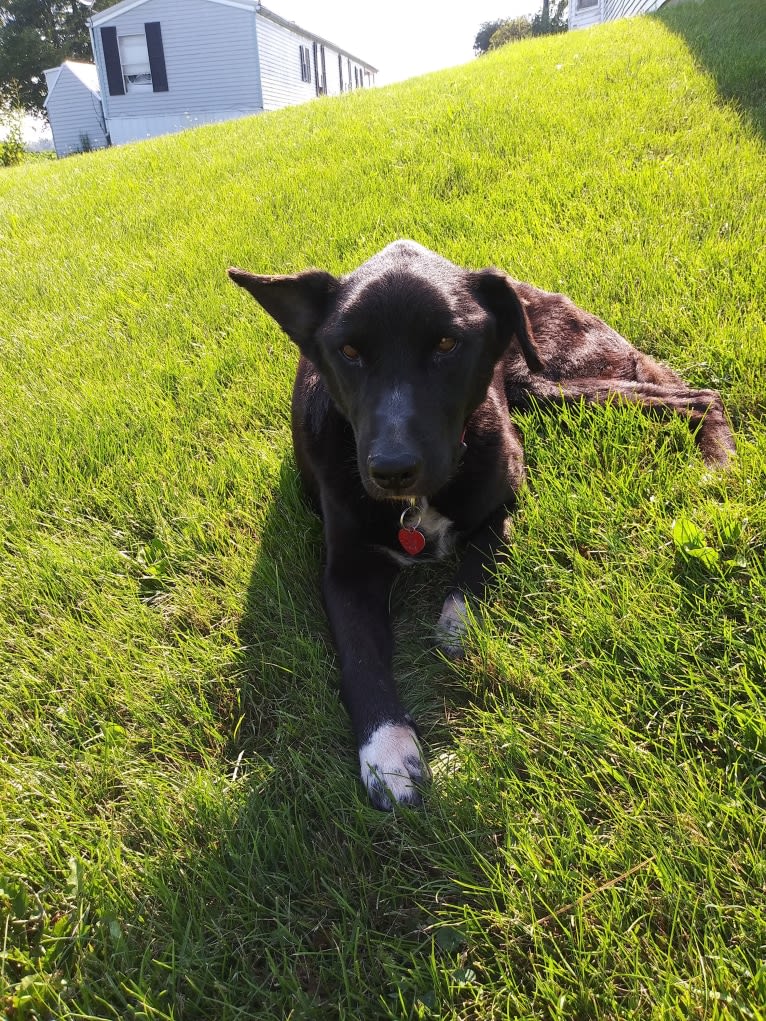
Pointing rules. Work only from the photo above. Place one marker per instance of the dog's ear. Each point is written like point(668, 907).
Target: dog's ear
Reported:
point(494, 290)
point(298, 303)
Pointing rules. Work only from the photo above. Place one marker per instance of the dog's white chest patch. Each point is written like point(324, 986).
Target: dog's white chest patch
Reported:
point(437, 529)
point(439, 532)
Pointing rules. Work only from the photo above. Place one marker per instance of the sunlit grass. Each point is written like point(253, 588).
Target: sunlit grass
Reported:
point(182, 833)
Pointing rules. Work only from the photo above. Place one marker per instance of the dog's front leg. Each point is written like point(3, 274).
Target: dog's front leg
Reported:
point(356, 587)
point(471, 579)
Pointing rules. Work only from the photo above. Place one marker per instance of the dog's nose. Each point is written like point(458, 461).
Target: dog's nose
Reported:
point(396, 472)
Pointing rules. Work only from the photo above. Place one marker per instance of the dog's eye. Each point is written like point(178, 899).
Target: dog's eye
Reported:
point(350, 353)
point(445, 345)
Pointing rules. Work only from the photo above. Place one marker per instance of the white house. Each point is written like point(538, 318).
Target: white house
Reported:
point(74, 108)
point(593, 12)
point(165, 65)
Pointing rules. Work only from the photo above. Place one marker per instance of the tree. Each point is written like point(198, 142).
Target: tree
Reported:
point(485, 33)
point(545, 24)
point(507, 30)
point(511, 31)
point(38, 34)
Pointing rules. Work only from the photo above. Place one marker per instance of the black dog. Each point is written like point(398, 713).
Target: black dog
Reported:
point(404, 442)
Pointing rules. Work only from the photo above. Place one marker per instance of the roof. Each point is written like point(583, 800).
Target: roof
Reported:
point(85, 73)
point(118, 9)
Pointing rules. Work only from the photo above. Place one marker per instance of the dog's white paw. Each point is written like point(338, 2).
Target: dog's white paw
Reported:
point(392, 766)
point(452, 625)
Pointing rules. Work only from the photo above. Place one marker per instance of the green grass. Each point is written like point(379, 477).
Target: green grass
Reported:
point(182, 831)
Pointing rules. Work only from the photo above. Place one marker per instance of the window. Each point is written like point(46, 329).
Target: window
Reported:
point(324, 71)
point(134, 57)
point(320, 70)
point(305, 64)
point(134, 63)
point(584, 4)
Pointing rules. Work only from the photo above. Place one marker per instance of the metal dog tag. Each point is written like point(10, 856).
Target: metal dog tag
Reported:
point(411, 539)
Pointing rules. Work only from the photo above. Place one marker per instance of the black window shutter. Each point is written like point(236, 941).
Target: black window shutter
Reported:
point(112, 61)
point(156, 53)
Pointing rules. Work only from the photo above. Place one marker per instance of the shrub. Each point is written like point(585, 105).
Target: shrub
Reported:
point(511, 31)
point(12, 120)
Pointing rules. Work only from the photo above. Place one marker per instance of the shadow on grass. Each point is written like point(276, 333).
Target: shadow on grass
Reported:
point(284, 651)
point(728, 39)
point(308, 896)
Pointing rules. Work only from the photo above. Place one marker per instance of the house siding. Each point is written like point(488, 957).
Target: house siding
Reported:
point(133, 129)
point(211, 60)
point(627, 8)
point(609, 10)
point(74, 113)
point(279, 59)
point(586, 17)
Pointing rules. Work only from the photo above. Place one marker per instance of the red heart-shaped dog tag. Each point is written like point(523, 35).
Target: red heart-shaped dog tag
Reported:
point(412, 541)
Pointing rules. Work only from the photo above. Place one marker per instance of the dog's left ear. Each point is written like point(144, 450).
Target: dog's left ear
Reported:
point(298, 303)
point(494, 290)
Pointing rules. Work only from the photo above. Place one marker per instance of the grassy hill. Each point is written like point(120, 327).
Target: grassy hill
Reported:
point(182, 831)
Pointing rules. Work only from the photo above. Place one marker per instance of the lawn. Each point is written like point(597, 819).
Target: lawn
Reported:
point(182, 831)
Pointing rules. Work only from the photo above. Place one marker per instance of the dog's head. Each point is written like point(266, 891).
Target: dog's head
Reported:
point(407, 345)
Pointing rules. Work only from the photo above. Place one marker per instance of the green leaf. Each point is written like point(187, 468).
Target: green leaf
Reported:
point(464, 976)
point(449, 939)
point(74, 882)
point(687, 535)
point(730, 532)
point(705, 554)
